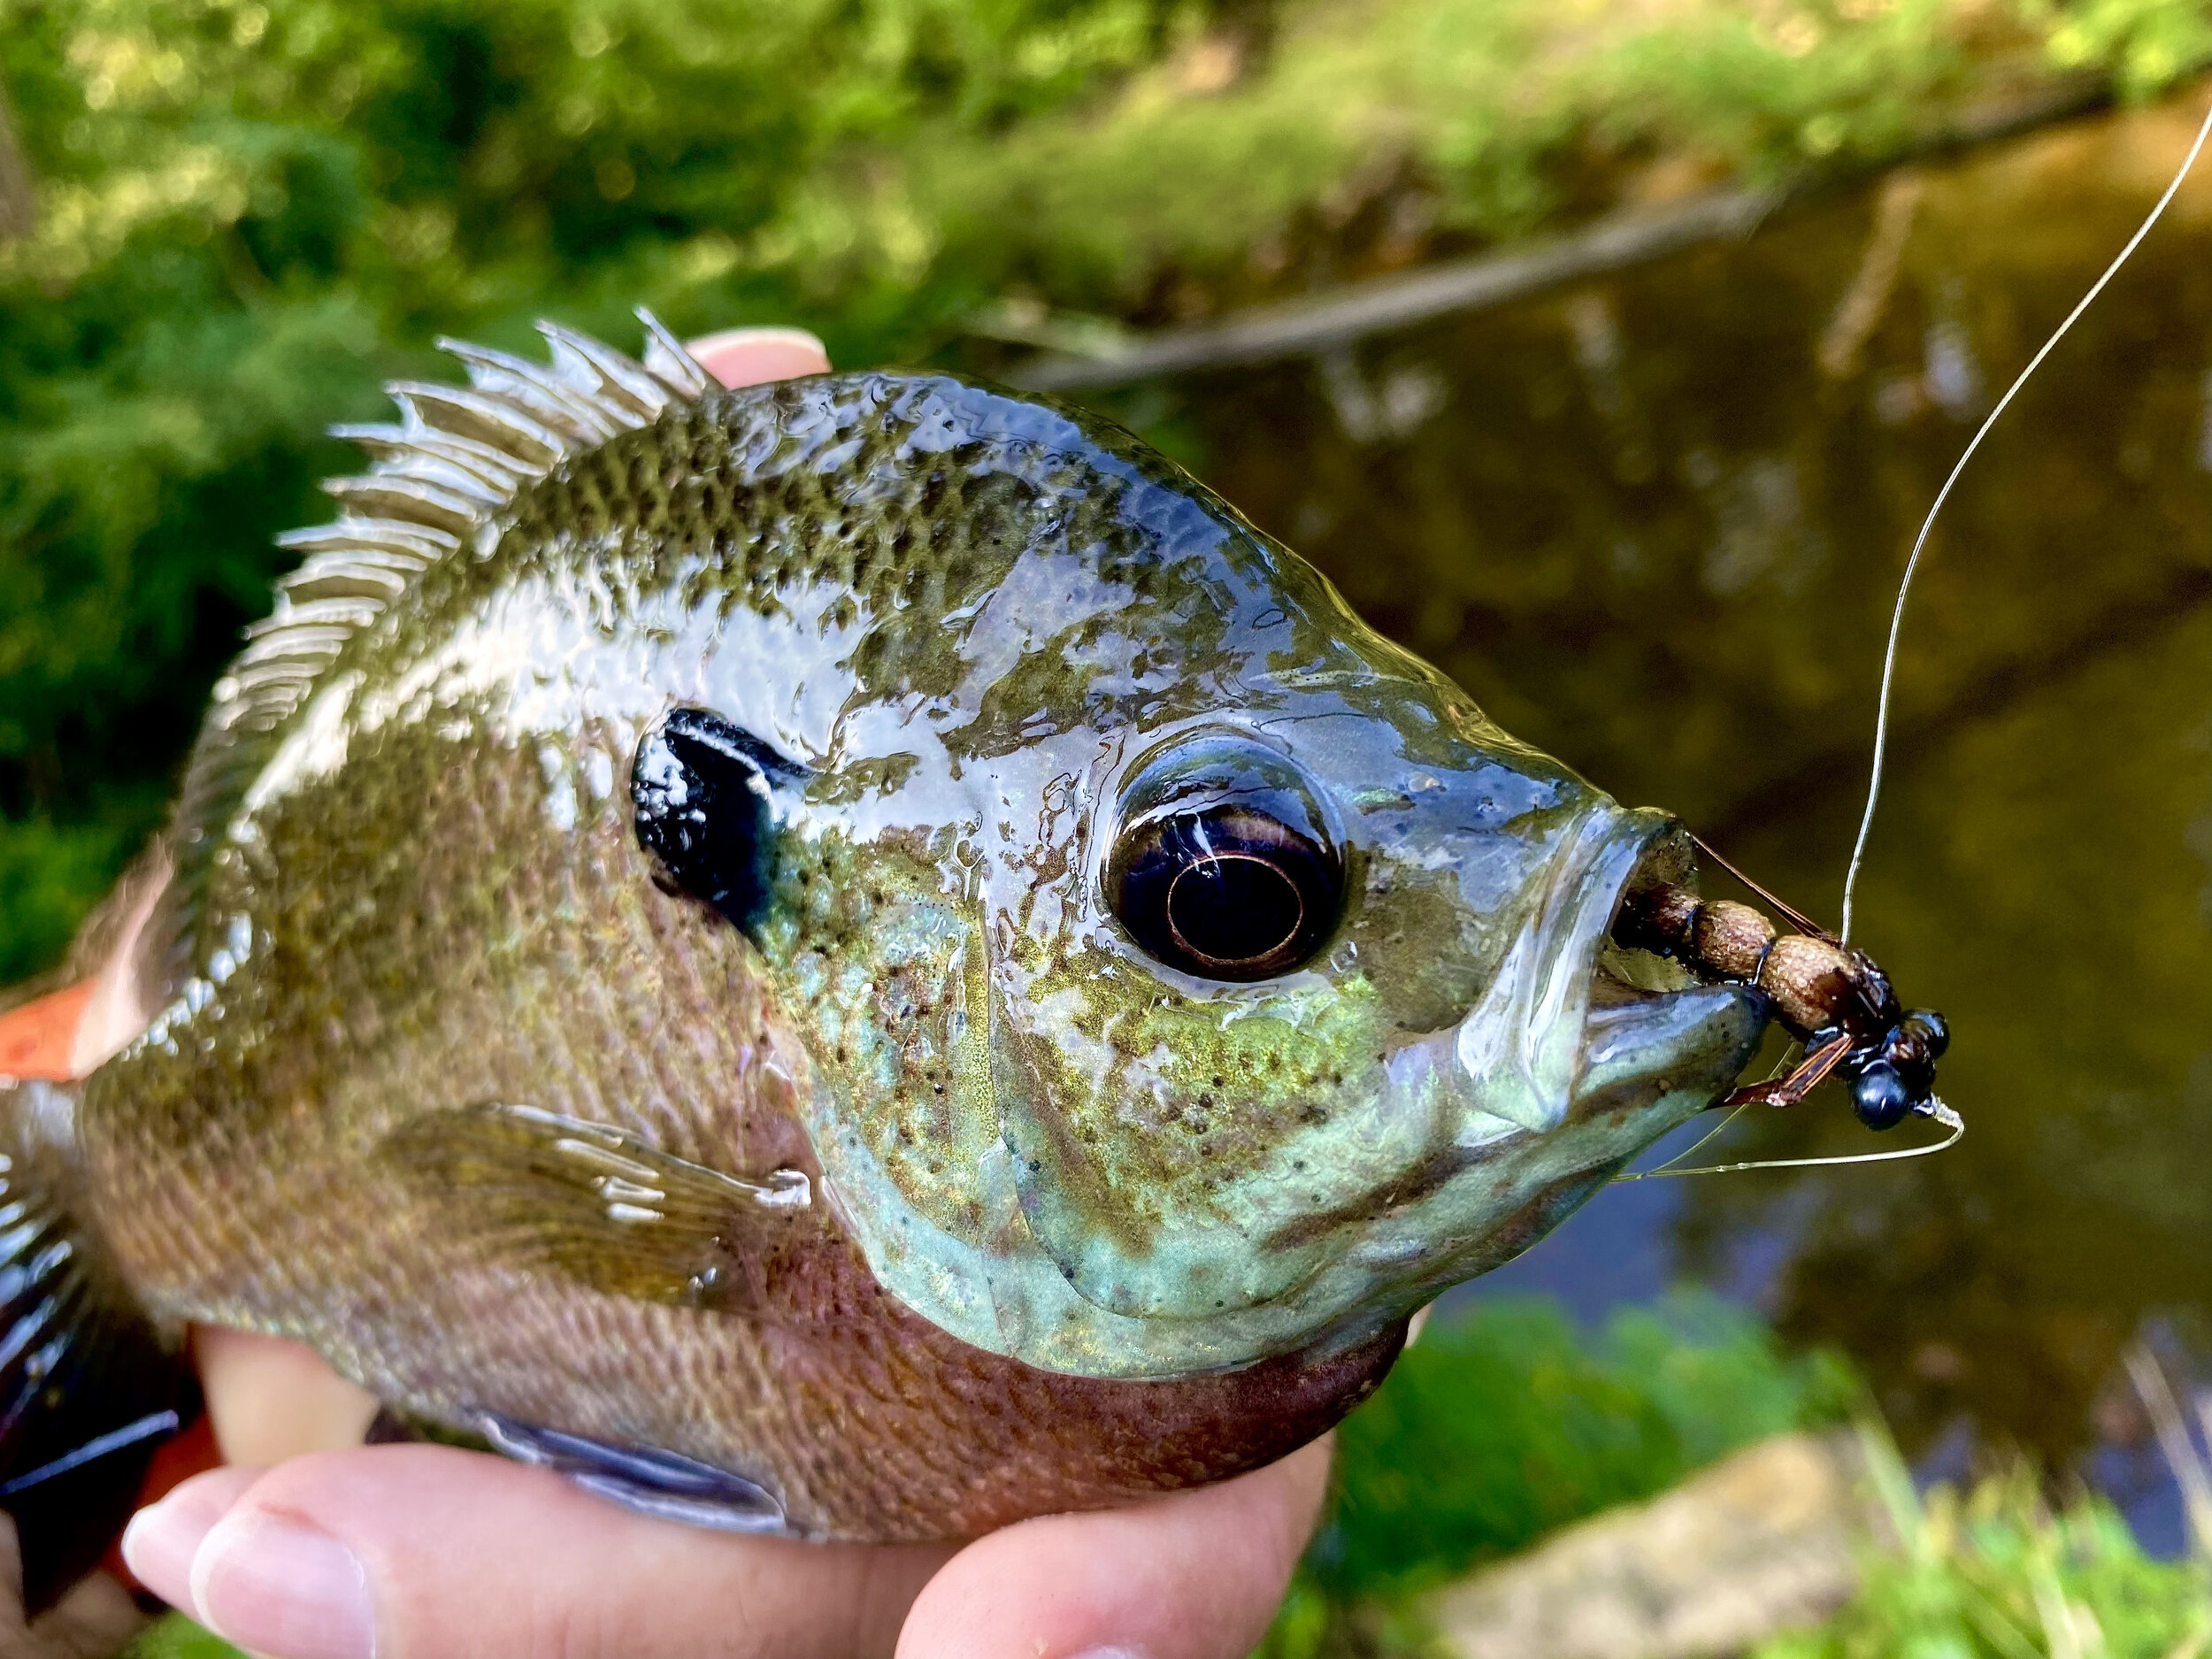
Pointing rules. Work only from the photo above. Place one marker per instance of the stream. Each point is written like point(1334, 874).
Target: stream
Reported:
point(1655, 523)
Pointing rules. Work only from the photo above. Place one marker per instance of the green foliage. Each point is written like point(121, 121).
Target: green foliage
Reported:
point(251, 211)
point(177, 1637)
point(1507, 1422)
point(1503, 1425)
point(2000, 1575)
point(2147, 44)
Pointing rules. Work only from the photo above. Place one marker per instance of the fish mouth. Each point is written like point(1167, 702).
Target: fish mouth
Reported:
point(1648, 1019)
point(1580, 1053)
point(1572, 1019)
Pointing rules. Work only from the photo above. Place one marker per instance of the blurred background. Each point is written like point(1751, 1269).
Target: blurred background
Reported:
point(1651, 509)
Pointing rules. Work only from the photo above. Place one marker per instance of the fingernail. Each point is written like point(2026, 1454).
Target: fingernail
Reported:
point(277, 1586)
point(797, 338)
point(159, 1543)
point(747, 356)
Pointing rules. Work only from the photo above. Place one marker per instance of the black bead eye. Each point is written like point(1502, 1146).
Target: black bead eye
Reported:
point(1224, 871)
point(700, 788)
point(1881, 1096)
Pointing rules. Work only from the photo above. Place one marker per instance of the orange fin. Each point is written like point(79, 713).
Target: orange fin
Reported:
point(36, 1039)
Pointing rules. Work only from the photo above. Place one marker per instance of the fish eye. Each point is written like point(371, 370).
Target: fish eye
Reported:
point(699, 790)
point(1223, 868)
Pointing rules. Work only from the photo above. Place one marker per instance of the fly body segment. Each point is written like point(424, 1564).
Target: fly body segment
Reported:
point(1831, 996)
point(1824, 991)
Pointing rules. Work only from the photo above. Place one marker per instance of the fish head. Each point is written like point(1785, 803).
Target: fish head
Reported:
point(1193, 974)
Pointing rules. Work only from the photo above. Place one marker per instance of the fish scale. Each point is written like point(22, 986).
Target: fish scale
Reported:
point(674, 960)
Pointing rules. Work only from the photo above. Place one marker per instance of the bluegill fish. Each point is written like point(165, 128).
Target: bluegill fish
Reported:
point(862, 957)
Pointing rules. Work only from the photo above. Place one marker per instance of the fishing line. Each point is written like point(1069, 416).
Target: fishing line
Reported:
point(1938, 1111)
point(1698, 1145)
point(1689, 1151)
point(1934, 1108)
point(1912, 565)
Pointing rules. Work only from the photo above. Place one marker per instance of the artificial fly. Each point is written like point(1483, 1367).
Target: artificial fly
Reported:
point(1827, 995)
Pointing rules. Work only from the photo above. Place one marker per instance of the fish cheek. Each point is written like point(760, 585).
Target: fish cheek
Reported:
point(1154, 1140)
point(1421, 946)
point(887, 975)
point(937, 1120)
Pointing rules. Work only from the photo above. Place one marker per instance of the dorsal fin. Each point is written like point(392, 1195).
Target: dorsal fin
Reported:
point(456, 460)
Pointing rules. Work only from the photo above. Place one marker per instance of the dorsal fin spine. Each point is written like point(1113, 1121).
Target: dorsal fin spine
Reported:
point(563, 410)
point(596, 371)
point(470, 412)
point(438, 483)
point(407, 495)
point(414, 541)
point(669, 361)
point(434, 455)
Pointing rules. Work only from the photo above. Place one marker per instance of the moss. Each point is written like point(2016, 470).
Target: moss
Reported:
point(1509, 1421)
point(1997, 1573)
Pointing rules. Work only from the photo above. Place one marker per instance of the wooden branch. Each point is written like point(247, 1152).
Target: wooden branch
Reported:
point(1304, 327)
point(1301, 328)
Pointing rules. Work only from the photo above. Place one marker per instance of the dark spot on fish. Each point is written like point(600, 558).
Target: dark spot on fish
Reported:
point(699, 790)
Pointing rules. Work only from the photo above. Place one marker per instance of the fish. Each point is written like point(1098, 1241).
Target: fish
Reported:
point(858, 958)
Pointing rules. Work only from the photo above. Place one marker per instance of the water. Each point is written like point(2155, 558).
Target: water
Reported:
point(1655, 524)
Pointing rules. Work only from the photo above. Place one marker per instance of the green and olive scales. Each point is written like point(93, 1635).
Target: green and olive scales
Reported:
point(862, 956)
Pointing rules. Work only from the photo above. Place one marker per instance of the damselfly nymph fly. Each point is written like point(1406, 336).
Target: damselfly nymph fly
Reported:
point(1827, 993)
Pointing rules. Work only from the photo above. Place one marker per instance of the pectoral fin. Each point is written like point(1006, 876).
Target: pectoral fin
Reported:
point(603, 1206)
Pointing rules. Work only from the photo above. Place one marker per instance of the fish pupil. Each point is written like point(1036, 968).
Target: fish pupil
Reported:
point(1224, 893)
point(700, 791)
point(1234, 909)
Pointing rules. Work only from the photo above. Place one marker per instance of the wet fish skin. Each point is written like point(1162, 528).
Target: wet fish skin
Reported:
point(1080, 1226)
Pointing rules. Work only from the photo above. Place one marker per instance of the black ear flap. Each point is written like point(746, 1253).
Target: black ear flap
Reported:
point(701, 789)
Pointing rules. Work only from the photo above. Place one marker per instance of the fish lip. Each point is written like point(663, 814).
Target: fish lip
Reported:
point(1657, 1017)
point(1520, 1054)
point(1625, 1056)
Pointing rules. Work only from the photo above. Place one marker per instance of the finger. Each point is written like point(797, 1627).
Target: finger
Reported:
point(1195, 1576)
point(94, 1620)
point(270, 1400)
point(749, 356)
point(422, 1552)
point(157, 1545)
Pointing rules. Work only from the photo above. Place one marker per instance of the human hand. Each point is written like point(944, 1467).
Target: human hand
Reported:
point(311, 1546)
point(422, 1552)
